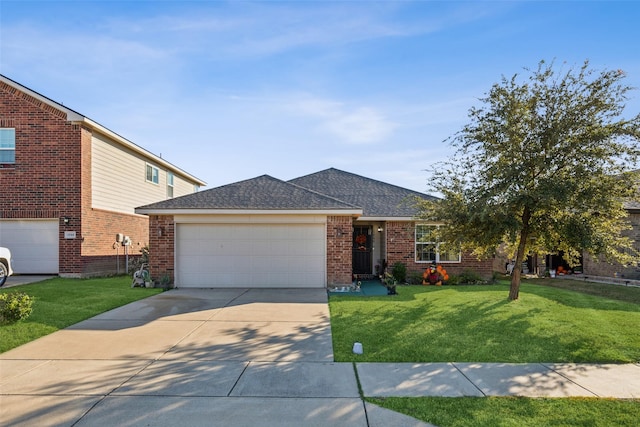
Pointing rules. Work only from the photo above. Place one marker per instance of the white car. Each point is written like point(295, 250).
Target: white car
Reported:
point(5, 265)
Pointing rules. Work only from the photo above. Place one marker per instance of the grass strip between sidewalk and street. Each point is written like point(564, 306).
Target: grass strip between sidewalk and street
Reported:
point(59, 303)
point(515, 411)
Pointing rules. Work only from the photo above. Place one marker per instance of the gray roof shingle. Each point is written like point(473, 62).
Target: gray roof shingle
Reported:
point(632, 206)
point(376, 198)
point(261, 193)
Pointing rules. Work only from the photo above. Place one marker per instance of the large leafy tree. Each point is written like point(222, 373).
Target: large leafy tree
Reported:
point(545, 165)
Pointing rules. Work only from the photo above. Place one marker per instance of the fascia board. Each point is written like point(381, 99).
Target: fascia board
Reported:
point(72, 116)
point(77, 118)
point(352, 212)
point(386, 218)
point(136, 148)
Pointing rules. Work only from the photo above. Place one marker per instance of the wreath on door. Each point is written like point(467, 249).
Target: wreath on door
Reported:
point(361, 241)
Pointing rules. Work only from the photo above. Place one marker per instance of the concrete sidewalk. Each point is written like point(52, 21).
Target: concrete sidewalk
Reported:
point(500, 379)
point(245, 357)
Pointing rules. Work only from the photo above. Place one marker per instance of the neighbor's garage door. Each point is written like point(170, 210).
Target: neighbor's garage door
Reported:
point(250, 255)
point(33, 245)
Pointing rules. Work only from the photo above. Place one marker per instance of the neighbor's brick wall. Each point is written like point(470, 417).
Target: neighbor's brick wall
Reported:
point(339, 251)
point(44, 182)
point(162, 247)
point(401, 248)
point(51, 178)
point(100, 254)
point(600, 267)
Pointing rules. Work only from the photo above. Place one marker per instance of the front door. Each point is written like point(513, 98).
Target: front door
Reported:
point(362, 243)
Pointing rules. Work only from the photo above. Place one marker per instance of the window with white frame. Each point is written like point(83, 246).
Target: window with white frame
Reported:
point(152, 174)
point(7, 145)
point(429, 249)
point(169, 184)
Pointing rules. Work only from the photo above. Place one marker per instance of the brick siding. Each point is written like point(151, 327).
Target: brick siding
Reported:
point(400, 246)
point(51, 179)
point(162, 247)
point(339, 252)
point(600, 267)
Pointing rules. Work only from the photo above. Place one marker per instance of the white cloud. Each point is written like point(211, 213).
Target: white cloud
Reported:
point(254, 30)
point(350, 124)
point(362, 125)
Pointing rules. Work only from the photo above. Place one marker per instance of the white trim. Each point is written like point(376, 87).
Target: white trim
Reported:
point(250, 219)
point(387, 218)
point(136, 148)
point(9, 149)
point(76, 118)
point(435, 243)
point(178, 211)
point(72, 116)
point(155, 168)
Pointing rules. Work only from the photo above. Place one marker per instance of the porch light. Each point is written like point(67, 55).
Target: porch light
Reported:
point(380, 229)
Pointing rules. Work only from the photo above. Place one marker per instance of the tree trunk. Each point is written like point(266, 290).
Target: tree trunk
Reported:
point(514, 290)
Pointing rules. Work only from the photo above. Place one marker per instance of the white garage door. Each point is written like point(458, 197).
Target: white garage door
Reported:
point(250, 255)
point(33, 244)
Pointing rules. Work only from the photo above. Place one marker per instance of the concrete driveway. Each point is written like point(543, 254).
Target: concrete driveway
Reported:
point(241, 357)
point(25, 279)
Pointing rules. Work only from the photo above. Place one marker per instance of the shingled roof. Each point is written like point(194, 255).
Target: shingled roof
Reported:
point(632, 206)
point(261, 193)
point(376, 198)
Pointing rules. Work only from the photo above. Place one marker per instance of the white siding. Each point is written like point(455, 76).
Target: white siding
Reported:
point(118, 178)
point(181, 186)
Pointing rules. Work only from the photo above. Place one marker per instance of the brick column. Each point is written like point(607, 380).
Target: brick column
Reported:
point(161, 247)
point(339, 257)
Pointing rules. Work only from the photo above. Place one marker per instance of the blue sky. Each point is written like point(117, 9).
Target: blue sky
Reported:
point(233, 90)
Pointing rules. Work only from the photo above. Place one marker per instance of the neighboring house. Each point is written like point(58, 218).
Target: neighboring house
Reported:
point(602, 268)
point(541, 264)
point(69, 186)
point(314, 231)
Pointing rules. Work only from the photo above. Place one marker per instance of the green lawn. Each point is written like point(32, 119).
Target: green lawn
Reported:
point(516, 411)
point(479, 324)
point(554, 321)
point(59, 303)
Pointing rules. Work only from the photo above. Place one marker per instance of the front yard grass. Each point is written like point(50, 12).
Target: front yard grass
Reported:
point(479, 324)
point(59, 303)
point(553, 321)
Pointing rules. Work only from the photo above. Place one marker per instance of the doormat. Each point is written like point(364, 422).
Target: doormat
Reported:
point(367, 288)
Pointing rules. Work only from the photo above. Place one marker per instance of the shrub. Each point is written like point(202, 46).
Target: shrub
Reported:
point(15, 306)
point(399, 272)
point(467, 277)
point(414, 278)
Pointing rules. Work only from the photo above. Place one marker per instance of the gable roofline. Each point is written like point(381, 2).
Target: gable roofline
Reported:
point(372, 180)
point(632, 207)
point(263, 194)
point(74, 117)
point(377, 199)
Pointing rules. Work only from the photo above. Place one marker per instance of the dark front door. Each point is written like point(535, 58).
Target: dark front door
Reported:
point(362, 243)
